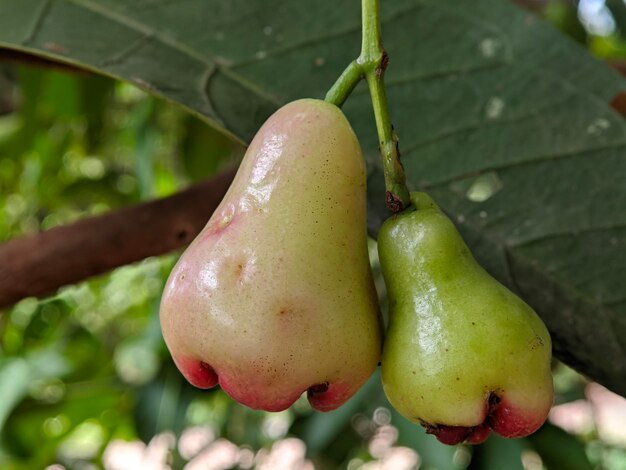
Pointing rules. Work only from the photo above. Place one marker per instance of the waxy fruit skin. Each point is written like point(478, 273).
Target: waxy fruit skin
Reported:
point(463, 355)
point(275, 296)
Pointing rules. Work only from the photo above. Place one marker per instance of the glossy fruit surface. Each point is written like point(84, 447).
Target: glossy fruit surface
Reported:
point(463, 355)
point(275, 296)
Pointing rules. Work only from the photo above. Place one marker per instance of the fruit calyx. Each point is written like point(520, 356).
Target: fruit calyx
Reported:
point(324, 396)
point(500, 417)
point(452, 435)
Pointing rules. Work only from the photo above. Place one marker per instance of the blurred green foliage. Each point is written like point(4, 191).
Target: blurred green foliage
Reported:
point(598, 24)
point(89, 366)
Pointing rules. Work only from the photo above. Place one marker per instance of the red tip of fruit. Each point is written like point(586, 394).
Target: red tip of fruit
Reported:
point(449, 435)
point(509, 421)
point(452, 435)
point(257, 396)
point(197, 373)
point(479, 434)
point(327, 397)
point(501, 417)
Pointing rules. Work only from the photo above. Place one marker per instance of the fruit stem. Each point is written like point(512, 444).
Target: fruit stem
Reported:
point(344, 85)
point(371, 65)
point(373, 61)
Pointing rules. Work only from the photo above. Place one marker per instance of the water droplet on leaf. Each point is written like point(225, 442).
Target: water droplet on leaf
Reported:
point(489, 47)
point(484, 186)
point(494, 107)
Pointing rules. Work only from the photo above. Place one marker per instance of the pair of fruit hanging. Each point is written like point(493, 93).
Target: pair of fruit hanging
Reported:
point(275, 296)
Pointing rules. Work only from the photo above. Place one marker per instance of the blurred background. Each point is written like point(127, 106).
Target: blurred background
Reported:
point(85, 379)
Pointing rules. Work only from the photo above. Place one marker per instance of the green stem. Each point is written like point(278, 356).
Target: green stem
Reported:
point(344, 85)
point(371, 46)
point(371, 65)
point(373, 61)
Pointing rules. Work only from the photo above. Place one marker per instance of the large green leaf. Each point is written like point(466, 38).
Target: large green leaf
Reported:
point(503, 120)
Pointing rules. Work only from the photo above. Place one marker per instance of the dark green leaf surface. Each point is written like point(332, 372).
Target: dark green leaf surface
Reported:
point(504, 121)
point(559, 449)
point(497, 452)
point(161, 404)
point(433, 454)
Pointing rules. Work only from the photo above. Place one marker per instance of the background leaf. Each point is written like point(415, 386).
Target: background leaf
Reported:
point(480, 87)
point(504, 120)
point(497, 452)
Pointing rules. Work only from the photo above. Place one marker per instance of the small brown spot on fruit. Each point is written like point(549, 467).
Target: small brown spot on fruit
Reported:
point(536, 342)
point(238, 269)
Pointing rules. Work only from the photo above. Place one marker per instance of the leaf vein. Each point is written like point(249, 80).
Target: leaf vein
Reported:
point(38, 22)
point(128, 52)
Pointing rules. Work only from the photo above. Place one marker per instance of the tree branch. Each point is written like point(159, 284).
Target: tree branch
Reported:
point(38, 265)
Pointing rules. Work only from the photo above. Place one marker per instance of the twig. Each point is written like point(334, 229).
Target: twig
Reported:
point(38, 265)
